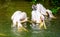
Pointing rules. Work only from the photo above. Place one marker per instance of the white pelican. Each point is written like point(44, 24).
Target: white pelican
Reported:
point(18, 17)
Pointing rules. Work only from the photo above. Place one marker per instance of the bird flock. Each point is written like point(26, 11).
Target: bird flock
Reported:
point(38, 16)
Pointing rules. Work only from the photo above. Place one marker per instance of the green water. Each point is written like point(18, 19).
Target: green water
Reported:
point(6, 11)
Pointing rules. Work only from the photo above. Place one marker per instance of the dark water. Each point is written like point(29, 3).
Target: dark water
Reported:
point(6, 10)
